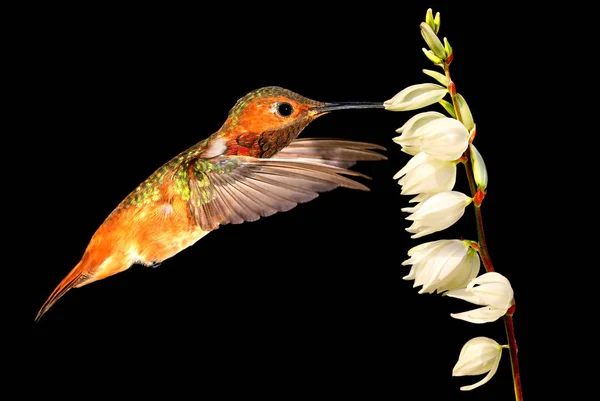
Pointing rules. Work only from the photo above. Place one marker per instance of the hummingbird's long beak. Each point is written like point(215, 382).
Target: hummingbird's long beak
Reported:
point(327, 107)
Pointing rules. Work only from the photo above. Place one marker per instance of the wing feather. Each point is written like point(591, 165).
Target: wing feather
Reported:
point(297, 185)
point(245, 202)
point(234, 189)
point(238, 213)
point(334, 152)
point(281, 203)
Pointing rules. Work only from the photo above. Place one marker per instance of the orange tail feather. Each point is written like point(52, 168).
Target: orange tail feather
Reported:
point(71, 280)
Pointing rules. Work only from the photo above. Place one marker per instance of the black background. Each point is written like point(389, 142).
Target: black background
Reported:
point(304, 304)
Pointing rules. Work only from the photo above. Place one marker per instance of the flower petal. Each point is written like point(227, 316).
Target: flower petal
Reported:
point(477, 361)
point(416, 97)
point(493, 289)
point(419, 252)
point(480, 315)
point(496, 295)
point(476, 357)
point(440, 202)
point(465, 295)
point(411, 209)
point(491, 277)
point(455, 254)
point(465, 275)
point(420, 198)
point(418, 120)
point(435, 223)
point(487, 377)
point(446, 139)
point(448, 148)
point(430, 176)
point(442, 264)
point(411, 274)
point(472, 345)
point(411, 149)
point(414, 162)
point(419, 231)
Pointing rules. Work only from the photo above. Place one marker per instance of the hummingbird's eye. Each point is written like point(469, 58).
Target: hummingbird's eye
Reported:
point(285, 109)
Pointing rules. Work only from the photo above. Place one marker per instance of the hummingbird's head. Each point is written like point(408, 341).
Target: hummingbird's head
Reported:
point(277, 115)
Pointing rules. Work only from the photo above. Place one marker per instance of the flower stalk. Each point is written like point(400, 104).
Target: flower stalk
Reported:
point(514, 358)
point(483, 248)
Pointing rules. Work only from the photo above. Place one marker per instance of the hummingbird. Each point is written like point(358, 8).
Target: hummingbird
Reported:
point(252, 167)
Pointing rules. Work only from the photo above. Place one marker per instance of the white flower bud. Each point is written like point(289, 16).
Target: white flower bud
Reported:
point(443, 138)
point(431, 56)
point(436, 22)
point(429, 18)
point(490, 289)
point(433, 41)
point(425, 173)
point(447, 47)
point(449, 107)
point(465, 112)
point(441, 78)
point(478, 356)
point(437, 213)
point(442, 265)
point(416, 97)
point(479, 170)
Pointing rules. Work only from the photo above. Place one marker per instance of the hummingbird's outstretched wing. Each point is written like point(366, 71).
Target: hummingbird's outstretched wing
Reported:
point(331, 151)
point(234, 189)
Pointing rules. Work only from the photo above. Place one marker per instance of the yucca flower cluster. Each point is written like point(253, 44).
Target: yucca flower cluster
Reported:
point(438, 142)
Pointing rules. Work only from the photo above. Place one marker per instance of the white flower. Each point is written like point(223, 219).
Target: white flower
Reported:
point(479, 170)
point(437, 213)
point(442, 265)
point(490, 289)
point(426, 174)
point(412, 126)
point(444, 138)
point(478, 356)
point(416, 97)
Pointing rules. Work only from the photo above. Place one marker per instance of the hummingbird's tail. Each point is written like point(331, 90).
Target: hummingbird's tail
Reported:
point(76, 276)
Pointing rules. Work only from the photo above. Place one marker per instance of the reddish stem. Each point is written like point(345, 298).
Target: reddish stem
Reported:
point(483, 249)
point(514, 350)
point(485, 256)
